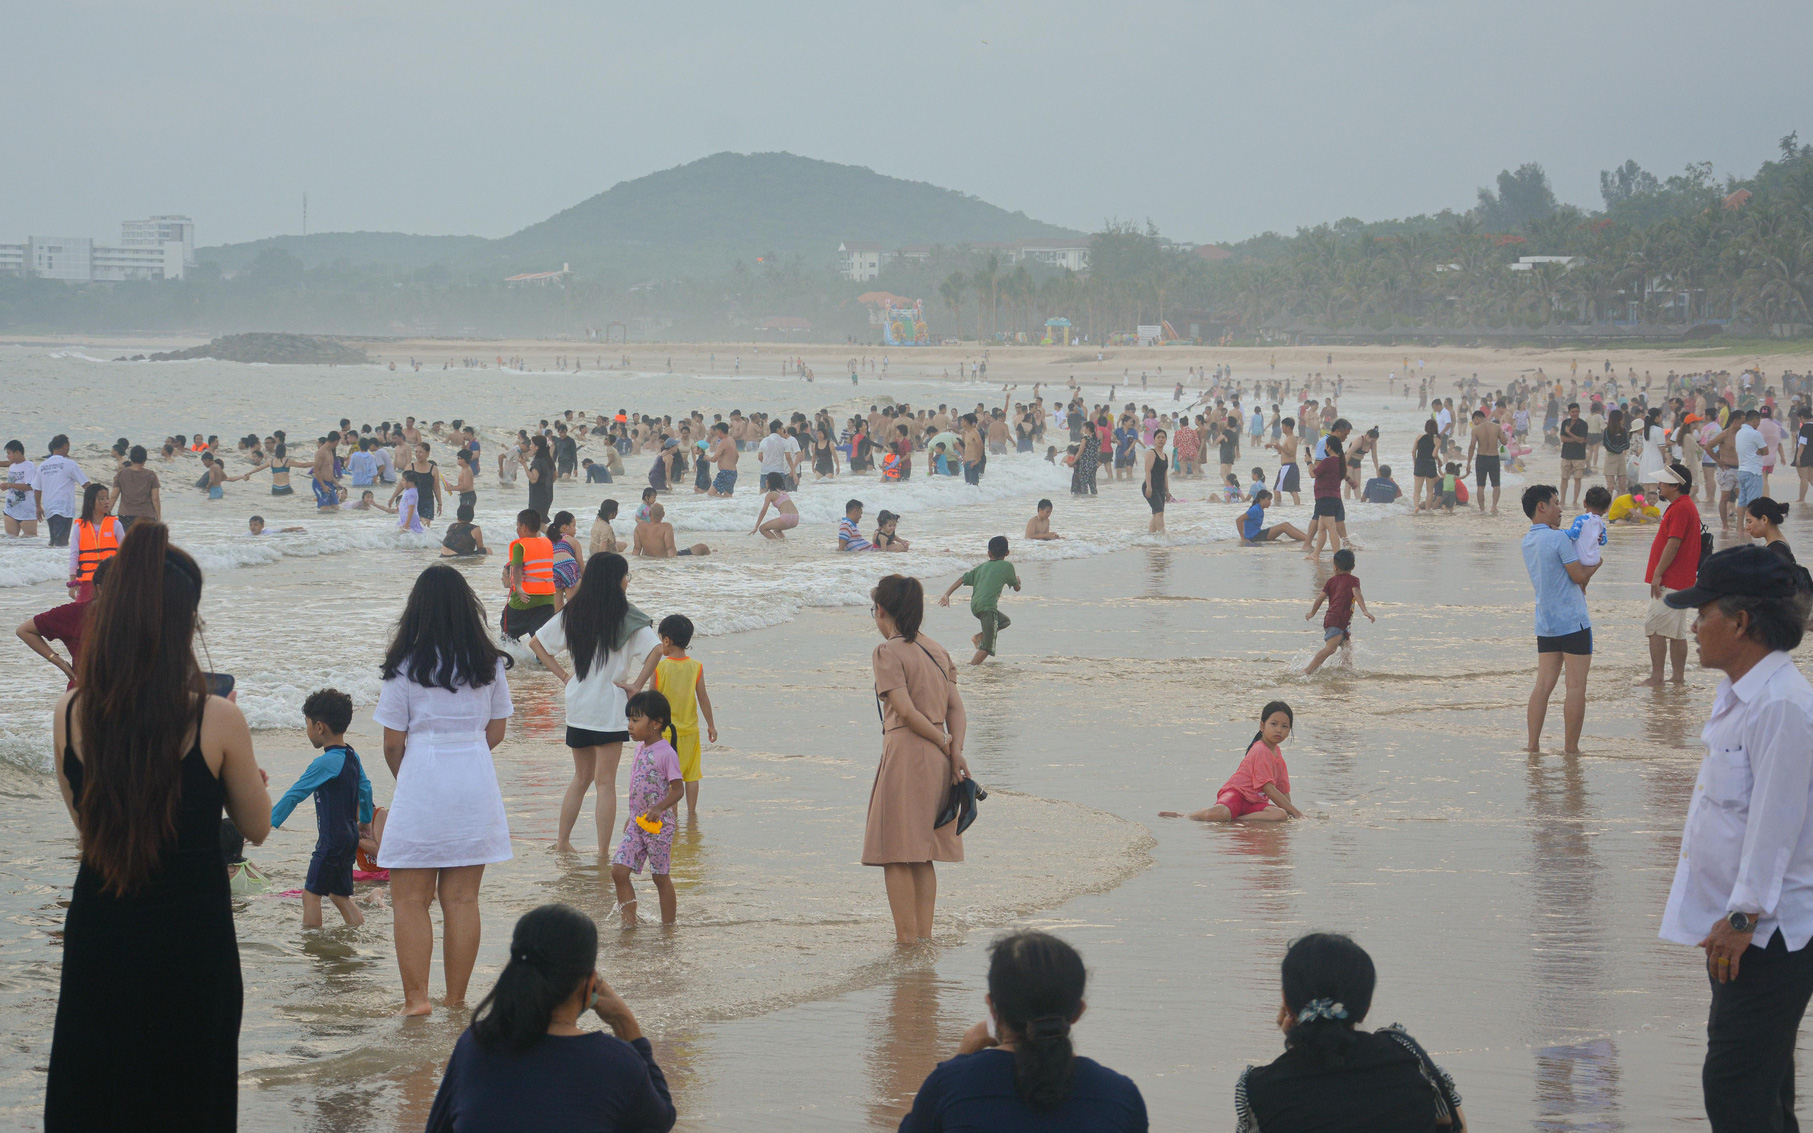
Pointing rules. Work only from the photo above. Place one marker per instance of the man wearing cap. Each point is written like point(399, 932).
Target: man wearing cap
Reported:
point(1674, 560)
point(1743, 887)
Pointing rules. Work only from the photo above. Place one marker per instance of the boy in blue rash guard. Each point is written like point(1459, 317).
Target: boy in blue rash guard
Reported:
point(342, 807)
point(1251, 523)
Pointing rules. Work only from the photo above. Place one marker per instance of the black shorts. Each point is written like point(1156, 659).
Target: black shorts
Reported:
point(1426, 468)
point(1288, 478)
point(518, 624)
point(1332, 507)
point(1156, 501)
point(1485, 467)
point(330, 874)
point(1578, 642)
point(585, 737)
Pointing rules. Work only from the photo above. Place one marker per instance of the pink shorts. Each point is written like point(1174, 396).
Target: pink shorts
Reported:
point(1238, 804)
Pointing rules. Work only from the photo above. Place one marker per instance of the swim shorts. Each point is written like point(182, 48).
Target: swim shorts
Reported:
point(1238, 804)
point(1484, 468)
point(325, 494)
point(470, 499)
point(1726, 478)
point(330, 873)
point(1329, 633)
point(724, 482)
point(1332, 507)
point(682, 552)
point(993, 622)
point(1578, 642)
point(216, 492)
point(1289, 479)
point(282, 490)
point(519, 623)
point(585, 737)
point(639, 846)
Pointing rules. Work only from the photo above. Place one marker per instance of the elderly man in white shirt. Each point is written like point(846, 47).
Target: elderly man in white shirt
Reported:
point(1743, 888)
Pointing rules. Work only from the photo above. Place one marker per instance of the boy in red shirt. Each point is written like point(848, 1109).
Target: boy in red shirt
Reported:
point(1340, 592)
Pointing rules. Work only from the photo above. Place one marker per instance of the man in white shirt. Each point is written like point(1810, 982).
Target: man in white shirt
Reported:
point(57, 482)
point(1750, 448)
point(1743, 887)
point(776, 457)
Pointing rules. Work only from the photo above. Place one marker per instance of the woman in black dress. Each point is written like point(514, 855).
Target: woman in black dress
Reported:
point(541, 479)
point(145, 759)
point(1423, 465)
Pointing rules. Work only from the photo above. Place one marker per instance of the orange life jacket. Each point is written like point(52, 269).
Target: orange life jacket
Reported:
point(98, 545)
point(537, 564)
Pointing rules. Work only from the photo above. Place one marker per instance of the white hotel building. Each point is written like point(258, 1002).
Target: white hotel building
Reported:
point(158, 247)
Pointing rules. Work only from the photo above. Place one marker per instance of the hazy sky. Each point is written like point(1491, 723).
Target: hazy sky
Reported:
point(1216, 120)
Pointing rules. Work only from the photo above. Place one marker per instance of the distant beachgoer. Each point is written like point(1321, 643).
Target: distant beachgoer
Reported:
point(1154, 486)
point(786, 514)
point(654, 538)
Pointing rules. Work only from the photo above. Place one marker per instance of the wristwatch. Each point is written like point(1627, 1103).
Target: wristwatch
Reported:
point(1741, 922)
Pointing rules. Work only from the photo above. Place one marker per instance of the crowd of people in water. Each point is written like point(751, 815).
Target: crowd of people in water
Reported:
point(150, 750)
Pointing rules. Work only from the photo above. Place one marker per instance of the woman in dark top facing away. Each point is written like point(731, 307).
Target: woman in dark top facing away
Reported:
point(147, 1030)
point(1017, 1072)
point(525, 1064)
point(1333, 1077)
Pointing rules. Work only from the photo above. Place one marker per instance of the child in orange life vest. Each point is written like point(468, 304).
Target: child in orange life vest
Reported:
point(681, 680)
point(1259, 789)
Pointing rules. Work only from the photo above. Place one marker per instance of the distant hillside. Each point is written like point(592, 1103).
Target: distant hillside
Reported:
point(695, 217)
point(397, 249)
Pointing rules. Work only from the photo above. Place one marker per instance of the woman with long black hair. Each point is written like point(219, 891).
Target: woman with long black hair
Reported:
point(443, 707)
point(606, 636)
point(525, 1064)
point(541, 479)
point(147, 1030)
point(1018, 1070)
point(1333, 1076)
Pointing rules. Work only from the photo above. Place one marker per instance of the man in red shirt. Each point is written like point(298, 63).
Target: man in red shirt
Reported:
point(1674, 563)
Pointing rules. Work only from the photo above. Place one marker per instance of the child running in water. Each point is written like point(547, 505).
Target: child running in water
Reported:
point(343, 810)
point(1259, 789)
point(1341, 592)
point(681, 680)
point(655, 787)
point(986, 581)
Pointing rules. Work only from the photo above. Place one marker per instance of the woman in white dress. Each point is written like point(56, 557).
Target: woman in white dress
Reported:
point(443, 708)
point(607, 638)
point(1655, 456)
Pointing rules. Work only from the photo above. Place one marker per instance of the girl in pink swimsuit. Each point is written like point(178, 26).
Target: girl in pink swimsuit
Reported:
point(786, 516)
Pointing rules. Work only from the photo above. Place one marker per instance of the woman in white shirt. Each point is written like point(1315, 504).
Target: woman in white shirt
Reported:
point(1656, 455)
point(606, 637)
point(443, 707)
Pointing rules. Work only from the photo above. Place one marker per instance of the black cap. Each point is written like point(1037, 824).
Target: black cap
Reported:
point(1740, 572)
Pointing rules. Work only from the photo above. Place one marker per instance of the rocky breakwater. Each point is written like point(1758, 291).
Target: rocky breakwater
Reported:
point(278, 349)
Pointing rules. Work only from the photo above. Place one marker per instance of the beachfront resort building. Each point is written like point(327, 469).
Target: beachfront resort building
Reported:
point(863, 261)
point(156, 248)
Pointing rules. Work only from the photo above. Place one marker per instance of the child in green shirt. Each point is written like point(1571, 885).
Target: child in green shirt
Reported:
point(986, 581)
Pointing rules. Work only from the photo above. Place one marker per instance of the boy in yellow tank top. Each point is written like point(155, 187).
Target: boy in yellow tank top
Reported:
point(681, 680)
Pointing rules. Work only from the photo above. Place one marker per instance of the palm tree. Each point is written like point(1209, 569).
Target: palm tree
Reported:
point(988, 279)
point(952, 291)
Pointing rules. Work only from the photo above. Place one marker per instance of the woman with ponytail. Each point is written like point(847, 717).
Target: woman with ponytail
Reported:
point(524, 1063)
point(603, 633)
point(1763, 520)
point(1018, 1070)
point(147, 1030)
point(1333, 1076)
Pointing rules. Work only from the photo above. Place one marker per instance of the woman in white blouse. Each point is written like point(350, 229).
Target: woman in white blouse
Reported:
point(606, 637)
point(443, 707)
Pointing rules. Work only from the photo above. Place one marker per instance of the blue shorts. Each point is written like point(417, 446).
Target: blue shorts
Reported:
point(1329, 633)
point(723, 482)
point(325, 494)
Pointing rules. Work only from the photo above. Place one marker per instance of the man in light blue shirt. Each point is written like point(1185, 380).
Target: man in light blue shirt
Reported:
point(362, 465)
point(1564, 631)
point(1750, 450)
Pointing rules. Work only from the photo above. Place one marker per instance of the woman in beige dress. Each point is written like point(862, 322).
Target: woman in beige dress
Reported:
point(921, 757)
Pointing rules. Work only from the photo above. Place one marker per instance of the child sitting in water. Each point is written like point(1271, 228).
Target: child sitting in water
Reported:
point(1632, 507)
point(1259, 789)
point(369, 502)
point(343, 810)
point(886, 524)
point(656, 786)
point(1258, 485)
point(648, 501)
point(1231, 492)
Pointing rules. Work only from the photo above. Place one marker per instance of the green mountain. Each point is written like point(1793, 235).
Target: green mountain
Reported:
point(698, 217)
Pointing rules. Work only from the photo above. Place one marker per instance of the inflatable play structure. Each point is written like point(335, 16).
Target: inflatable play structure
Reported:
point(905, 326)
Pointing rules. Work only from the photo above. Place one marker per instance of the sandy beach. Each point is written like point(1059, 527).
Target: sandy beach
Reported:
point(1511, 901)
